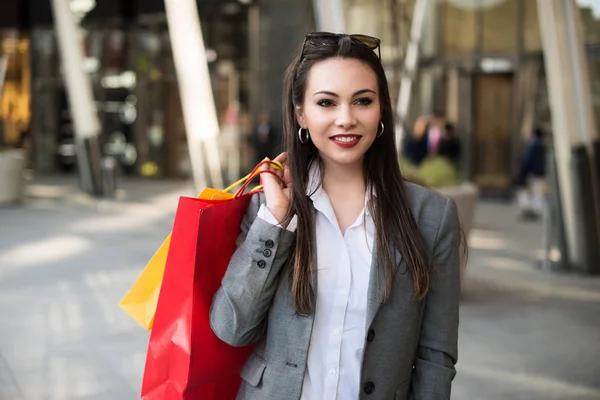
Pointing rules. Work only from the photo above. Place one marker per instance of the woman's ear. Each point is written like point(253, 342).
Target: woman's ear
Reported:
point(300, 116)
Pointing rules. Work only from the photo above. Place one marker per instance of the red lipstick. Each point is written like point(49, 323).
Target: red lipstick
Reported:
point(346, 141)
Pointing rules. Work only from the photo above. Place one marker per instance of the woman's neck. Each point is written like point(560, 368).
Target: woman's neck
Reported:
point(336, 177)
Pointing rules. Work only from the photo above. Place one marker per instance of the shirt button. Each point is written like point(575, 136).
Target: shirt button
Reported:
point(261, 264)
point(369, 388)
point(336, 331)
point(267, 253)
point(269, 243)
point(332, 371)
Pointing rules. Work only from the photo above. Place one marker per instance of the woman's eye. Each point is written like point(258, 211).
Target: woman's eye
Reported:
point(365, 101)
point(325, 103)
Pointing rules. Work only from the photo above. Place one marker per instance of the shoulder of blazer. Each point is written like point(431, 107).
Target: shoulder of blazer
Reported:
point(427, 206)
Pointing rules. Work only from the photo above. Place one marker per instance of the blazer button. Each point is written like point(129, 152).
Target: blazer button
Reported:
point(270, 244)
point(369, 387)
point(370, 335)
point(261, 263)
point(267, 253)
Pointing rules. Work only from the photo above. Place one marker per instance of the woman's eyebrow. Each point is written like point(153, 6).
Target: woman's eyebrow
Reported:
point(357, 93)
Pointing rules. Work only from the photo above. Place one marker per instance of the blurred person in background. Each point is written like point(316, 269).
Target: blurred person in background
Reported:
point(415, 147)
point(435, 132)
point(530, 179)
point(230, 141)
point(449, 145)
point(316, 283)
point(427, 135)
point(263, 137)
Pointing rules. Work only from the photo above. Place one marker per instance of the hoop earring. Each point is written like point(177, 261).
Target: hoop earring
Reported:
point(303, 135)
point(382, 129)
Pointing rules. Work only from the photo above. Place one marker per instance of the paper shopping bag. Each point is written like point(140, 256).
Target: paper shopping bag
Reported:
point(140, 302)
point(185, 359)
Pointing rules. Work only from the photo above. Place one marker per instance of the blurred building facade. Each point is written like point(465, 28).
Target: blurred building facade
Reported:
point(128, 57)
point(481, 65)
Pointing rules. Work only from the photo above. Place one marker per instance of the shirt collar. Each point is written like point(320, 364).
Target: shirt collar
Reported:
point(315, 191)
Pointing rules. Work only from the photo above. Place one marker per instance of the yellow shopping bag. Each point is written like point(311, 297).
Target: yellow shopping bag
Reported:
point(141, 300)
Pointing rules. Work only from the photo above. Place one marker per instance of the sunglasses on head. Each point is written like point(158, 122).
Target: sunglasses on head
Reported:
point(317, 38)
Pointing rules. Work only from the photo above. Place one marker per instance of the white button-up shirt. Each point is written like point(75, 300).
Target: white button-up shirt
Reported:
point(343, 269)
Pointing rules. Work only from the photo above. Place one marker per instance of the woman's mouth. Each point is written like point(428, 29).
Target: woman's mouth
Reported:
point(346, 141)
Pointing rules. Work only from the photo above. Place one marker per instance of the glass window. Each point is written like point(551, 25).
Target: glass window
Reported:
point(532, 41)
point(500, 26)
point(364, 17)
point(390, 20)
point(594, 73)
point(460, 30)
point(431, 28)
point(590, 17)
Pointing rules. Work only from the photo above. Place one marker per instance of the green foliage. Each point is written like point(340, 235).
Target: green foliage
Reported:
point(433, 172)
point(409, 170)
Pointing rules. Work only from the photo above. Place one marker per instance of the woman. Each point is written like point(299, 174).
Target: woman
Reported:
point(346, 277)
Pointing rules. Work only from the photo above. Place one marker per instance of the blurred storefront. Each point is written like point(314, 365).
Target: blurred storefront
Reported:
point(491, 83)
point(14, 104)
point(494, 83)
point(128, 56)
point(480, 63)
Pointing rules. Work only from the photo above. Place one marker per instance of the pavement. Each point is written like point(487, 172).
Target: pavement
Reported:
point(66, 260)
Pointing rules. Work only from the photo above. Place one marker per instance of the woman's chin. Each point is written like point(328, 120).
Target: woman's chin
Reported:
point(347, 158)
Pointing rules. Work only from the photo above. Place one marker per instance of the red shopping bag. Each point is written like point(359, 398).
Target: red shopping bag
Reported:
point(185, 359)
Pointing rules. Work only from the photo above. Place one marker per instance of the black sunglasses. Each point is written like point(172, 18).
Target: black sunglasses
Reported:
point(367, 42)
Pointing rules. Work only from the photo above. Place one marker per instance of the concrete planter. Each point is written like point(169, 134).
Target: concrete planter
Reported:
point(12, 164)
point(465, 196)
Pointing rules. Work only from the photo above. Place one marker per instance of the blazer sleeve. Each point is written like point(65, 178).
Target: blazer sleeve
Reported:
point(437, 353)
point(240, 306)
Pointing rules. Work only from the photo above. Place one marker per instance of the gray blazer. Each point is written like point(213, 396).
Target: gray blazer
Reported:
point(410, 345)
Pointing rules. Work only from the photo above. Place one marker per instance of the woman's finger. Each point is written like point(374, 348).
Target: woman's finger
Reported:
point(270, 176)
point(282, 158)
point(287, 176)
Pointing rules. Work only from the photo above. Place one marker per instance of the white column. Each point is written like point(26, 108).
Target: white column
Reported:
point(197, 101)
point(330, 15)
point(452, 95)
point(3, 66)
point(80, 95)
point(572, 113)
point(410, 67)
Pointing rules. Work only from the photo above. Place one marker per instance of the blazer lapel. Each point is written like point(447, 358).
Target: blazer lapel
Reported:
point(376, 289)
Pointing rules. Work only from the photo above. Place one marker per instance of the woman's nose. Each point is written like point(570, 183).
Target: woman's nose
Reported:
point(345, 117)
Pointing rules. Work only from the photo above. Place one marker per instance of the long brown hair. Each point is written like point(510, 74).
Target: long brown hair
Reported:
point(395, 225)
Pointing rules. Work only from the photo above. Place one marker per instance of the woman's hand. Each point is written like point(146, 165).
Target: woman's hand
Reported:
point(277, 193)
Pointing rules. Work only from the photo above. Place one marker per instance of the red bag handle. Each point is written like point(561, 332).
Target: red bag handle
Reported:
point(256, 172)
